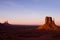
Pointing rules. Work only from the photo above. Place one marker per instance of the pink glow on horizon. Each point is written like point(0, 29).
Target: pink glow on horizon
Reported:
point(28, 22)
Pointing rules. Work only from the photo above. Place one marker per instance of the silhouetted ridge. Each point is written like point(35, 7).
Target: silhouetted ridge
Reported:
point(1, 24)
point(49, 24)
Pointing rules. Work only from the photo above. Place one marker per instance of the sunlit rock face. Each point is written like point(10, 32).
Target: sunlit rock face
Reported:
point(49, 24)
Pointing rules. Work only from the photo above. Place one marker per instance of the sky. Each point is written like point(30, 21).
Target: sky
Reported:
point(29, 12)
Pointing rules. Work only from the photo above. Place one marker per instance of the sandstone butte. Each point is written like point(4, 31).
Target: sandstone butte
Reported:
point(48, 25)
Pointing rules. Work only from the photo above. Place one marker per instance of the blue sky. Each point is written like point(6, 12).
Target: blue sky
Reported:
point(29, 11)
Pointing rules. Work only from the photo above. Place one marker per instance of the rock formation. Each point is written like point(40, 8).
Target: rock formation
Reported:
point(49, 24)
point(6, 23)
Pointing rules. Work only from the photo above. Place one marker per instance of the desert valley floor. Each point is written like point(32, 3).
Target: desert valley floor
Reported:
point(26, 32)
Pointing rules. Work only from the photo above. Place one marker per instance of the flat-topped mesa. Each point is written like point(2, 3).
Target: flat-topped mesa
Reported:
point(49, 24)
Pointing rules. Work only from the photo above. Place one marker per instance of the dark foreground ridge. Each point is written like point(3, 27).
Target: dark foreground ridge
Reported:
point(29, 32)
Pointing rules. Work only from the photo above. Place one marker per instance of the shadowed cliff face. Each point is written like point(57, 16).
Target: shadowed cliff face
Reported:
point(49, 25)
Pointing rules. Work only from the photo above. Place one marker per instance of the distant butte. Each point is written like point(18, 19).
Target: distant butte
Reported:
point(49, 25)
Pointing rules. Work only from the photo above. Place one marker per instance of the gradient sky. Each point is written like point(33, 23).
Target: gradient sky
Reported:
point(31, 12)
